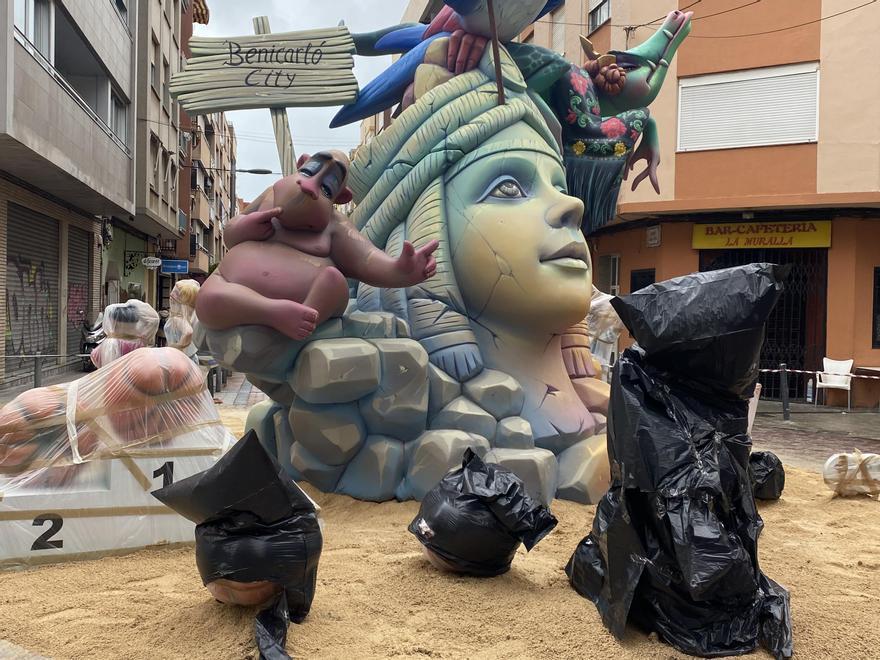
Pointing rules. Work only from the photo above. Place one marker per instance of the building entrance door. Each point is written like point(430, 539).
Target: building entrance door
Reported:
point(796, 328)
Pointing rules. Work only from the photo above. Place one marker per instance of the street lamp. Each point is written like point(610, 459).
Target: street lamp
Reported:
point(256, 171)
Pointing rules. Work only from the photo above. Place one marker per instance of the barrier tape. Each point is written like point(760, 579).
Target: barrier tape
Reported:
point(816, 373)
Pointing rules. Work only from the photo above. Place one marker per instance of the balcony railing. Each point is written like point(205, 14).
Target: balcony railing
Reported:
point(201, 262)
point(201, 209)
point(168, 248)
point(59, 78)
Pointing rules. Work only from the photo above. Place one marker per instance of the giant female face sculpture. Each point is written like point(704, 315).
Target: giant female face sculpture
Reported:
point(514, 271)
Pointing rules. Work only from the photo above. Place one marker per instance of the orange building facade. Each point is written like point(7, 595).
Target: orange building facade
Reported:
point(770, 152)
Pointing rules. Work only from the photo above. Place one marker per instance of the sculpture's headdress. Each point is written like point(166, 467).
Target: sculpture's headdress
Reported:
point(398, 181)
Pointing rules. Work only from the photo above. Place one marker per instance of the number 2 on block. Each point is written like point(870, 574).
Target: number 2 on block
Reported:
point(43, 542)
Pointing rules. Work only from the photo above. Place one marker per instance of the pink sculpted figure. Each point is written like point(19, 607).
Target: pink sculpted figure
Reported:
point(290, 253)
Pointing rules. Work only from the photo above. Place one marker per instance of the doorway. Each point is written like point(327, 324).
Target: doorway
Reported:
point(795, 332)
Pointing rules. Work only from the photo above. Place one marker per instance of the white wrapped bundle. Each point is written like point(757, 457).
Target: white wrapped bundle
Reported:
point(129, 326)
point(853, 474)
point(152, 398)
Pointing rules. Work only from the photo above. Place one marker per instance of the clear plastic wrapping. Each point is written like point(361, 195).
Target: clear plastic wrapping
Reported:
point(182, 317)
point(89, 453)
point(853, 474)
point(129, 326)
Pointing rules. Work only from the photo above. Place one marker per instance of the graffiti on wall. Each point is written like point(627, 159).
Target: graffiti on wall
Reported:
point(31, 316)
point(77, 302)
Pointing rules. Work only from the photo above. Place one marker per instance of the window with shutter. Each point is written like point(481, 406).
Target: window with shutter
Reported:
point(773, 105)
point(600, 12)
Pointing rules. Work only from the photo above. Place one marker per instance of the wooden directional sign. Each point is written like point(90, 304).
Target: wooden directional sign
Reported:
point(275, 70)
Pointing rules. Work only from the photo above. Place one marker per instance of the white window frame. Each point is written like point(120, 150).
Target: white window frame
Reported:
point(29, 28)
point(614, 289)
point(764, 73)
point(119, 130)
point(595, 8)
point(154, 182)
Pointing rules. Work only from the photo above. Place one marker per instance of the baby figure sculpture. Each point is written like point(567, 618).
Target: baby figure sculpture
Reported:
point(290, 254)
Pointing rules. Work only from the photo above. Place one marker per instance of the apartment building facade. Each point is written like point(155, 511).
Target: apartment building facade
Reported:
point(769, 155)
point(67, 75)
point(206, 190)
point(213, 200)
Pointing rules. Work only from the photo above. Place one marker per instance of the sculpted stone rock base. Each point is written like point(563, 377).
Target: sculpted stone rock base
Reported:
point(370, 417)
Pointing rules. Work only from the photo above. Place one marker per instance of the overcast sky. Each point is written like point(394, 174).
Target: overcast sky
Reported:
point(310, 126)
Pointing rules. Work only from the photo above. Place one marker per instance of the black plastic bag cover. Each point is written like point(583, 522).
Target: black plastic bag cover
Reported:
point(477, 516)
point(253, 523)
point(673, 546)
point(706, 329)
point(767, 475)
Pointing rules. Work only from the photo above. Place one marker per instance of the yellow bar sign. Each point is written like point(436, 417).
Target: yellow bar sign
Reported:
point(744, 235)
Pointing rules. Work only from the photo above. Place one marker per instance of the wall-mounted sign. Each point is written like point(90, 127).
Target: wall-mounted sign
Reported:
point(744, 235)
point(151, 262)
point(175, 266)
point(275, 70)
point(652, 236)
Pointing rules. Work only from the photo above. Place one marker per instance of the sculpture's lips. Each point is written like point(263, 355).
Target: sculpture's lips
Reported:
point(572, 255)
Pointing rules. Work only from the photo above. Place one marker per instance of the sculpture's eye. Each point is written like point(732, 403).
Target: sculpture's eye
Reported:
point(311, 168)
point(330, 185)
point(507, 189)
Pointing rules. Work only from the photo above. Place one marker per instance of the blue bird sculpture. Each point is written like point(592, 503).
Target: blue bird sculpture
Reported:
point(511, 17)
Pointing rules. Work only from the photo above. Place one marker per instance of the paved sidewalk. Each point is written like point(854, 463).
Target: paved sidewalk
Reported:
point(239, 392)
point(812, 434)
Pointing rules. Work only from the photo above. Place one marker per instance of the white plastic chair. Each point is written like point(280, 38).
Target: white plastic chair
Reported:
point(837, 376)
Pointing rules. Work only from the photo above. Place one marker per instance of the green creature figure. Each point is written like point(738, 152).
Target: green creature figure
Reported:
point(602, 107)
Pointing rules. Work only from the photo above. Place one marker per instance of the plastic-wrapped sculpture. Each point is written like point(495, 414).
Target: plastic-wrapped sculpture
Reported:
point(606, 127)
point(290, 253)
point(129, 326)
point(182, 317)
point(150, 397)
point(490, 353)
point(603, 327)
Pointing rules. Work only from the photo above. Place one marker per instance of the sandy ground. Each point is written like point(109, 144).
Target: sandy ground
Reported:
point(378, 598)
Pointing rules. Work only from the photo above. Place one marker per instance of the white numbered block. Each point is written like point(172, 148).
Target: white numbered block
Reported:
point(104, 506)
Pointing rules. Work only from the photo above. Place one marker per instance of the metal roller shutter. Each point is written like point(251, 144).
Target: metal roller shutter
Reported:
point(31, 289)
point(756, 107)
point(79, 272)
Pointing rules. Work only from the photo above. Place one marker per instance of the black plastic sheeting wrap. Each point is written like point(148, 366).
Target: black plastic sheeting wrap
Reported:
point(674, 544)
point(767, 475)
point(476, 517)
point(253, 524)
